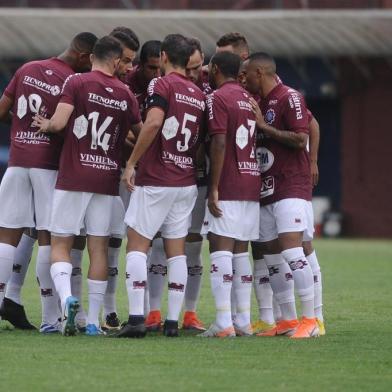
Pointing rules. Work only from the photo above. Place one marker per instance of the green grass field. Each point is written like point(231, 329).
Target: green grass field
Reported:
point(356, 353)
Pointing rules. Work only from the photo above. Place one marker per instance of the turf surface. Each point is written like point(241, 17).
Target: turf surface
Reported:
point(356, 353)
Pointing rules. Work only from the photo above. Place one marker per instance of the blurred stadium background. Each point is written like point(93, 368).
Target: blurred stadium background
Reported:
point(337, 52)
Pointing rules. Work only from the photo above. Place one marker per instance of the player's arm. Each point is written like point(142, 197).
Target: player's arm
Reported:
point(148, 132)
point(292, 139)
point(58, 121)
point(5, 108)
point(314, 142)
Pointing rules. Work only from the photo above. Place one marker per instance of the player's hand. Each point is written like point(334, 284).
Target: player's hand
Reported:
point(257, 112)
point(314, 173)
point(213, 204)
point(41, 123)
point(130, 140)
point(128, 178)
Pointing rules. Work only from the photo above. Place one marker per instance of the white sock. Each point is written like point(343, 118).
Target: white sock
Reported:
point(221, 284)
point(61, 272)
point(195, 271)
point(282, 284)
point(157, 270)
point(276, 310)
point(303, 279)
point(263, 291)
point(147, 288)
point(96, 291)
point(318, 285)
point(77, 280)
point(109, 301)
point(22, 259)
point(136, 277)
point(233, 301)
point(242, 287)
point(177, 275)
point(7, 257)
point(49, 297)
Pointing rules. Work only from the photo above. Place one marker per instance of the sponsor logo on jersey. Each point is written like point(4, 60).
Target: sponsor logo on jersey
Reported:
point(49, 72)
point(107, 102)
point(272, 102)
point(192, 101)
point(244, 105)
point(27, 137)
point(97, 162)
point(265, 159)
point(179, 160)
point(109, 89)
point(267, 186)
point(295, 103)
point(40, 85)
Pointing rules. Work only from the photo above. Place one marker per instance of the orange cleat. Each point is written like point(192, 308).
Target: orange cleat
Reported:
point(308, 328)
point(283, 327)
point(153, 321)
point(191, 322)
point(216, 332)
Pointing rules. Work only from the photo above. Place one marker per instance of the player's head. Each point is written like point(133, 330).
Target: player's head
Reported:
point(150, 59)
point(260, 72)
point(175, 51)
point(79, 51)
point(196, 60)
point(242, 73)
point(107, 53)
point(130, 33)
point(235, 43)
point(130, 48)
point(223, 66)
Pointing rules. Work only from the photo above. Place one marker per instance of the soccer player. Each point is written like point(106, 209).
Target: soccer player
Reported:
point(286, 188)
point(165, 190)
point(27, 186)
point(157, 268)
point(97, 111)
point(235, 43)
point(234, 188)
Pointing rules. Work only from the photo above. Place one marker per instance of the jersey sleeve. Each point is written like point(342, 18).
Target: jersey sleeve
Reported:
point(69, 89)
point(295, 114)
point(134, 112)
point(158, 95)
point(217, 119)
point(10, 90)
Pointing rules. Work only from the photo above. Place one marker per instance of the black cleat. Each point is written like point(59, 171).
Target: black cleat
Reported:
point(135, 328)
point(112, 323)
point(15, 314)
point(170, 328)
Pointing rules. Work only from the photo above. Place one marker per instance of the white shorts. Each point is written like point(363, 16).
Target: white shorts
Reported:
point(199, 210)
point(240, 220)
point(117, 225)
point(165, 209)
point(125, 195)
point(283, 216)
point(26, 197)
point(74, 211)
point(309, 231)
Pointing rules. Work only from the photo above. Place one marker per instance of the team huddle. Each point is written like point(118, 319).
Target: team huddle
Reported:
point(166, 153)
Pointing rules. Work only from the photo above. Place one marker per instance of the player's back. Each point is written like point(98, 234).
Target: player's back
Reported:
point(35, 88)
point(170, 160)
point(230, 112)
point(104, 110)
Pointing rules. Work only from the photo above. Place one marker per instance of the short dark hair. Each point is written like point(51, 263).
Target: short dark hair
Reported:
point(228, 63)
point(195, 44)
point(84, 42)
point(263, 57)
point(237, 40)
point(177, 49)
point(107, 48)
point(130, 33)
point(126, 40)
point(150, 49)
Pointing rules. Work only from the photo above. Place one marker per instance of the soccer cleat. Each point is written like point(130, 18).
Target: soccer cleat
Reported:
point(261, 326)
point(215, 332)
point(246, 330)
point(71, 308)
point(134, 328)
point(191, 322)
point(170, 328)
point(283, 327)
point(81, 325)
point(15, 314)
point(307, 328)
point(321, 326)
point(111, 323)
point(46, 328)
point(93, 330)
point(153, 321)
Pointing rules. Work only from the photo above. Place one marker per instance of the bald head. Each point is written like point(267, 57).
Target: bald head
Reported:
point(83, 42)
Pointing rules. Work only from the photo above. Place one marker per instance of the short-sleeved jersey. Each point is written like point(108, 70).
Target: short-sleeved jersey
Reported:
point(285, 171)
point(171, 158)
point(104, 110)
point(138, 85)
point(35, 88)
point(230, 113)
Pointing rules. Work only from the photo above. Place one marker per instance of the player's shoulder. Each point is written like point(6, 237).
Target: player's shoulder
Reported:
point(286, 92)
point(154, 84)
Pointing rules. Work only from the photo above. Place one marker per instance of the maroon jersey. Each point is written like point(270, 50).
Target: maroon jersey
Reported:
point(230, 113)
point(104, 110)
point(203, 83)
point(138, 85)
point(35, 88)
point(170, 160)
point(285, 171)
